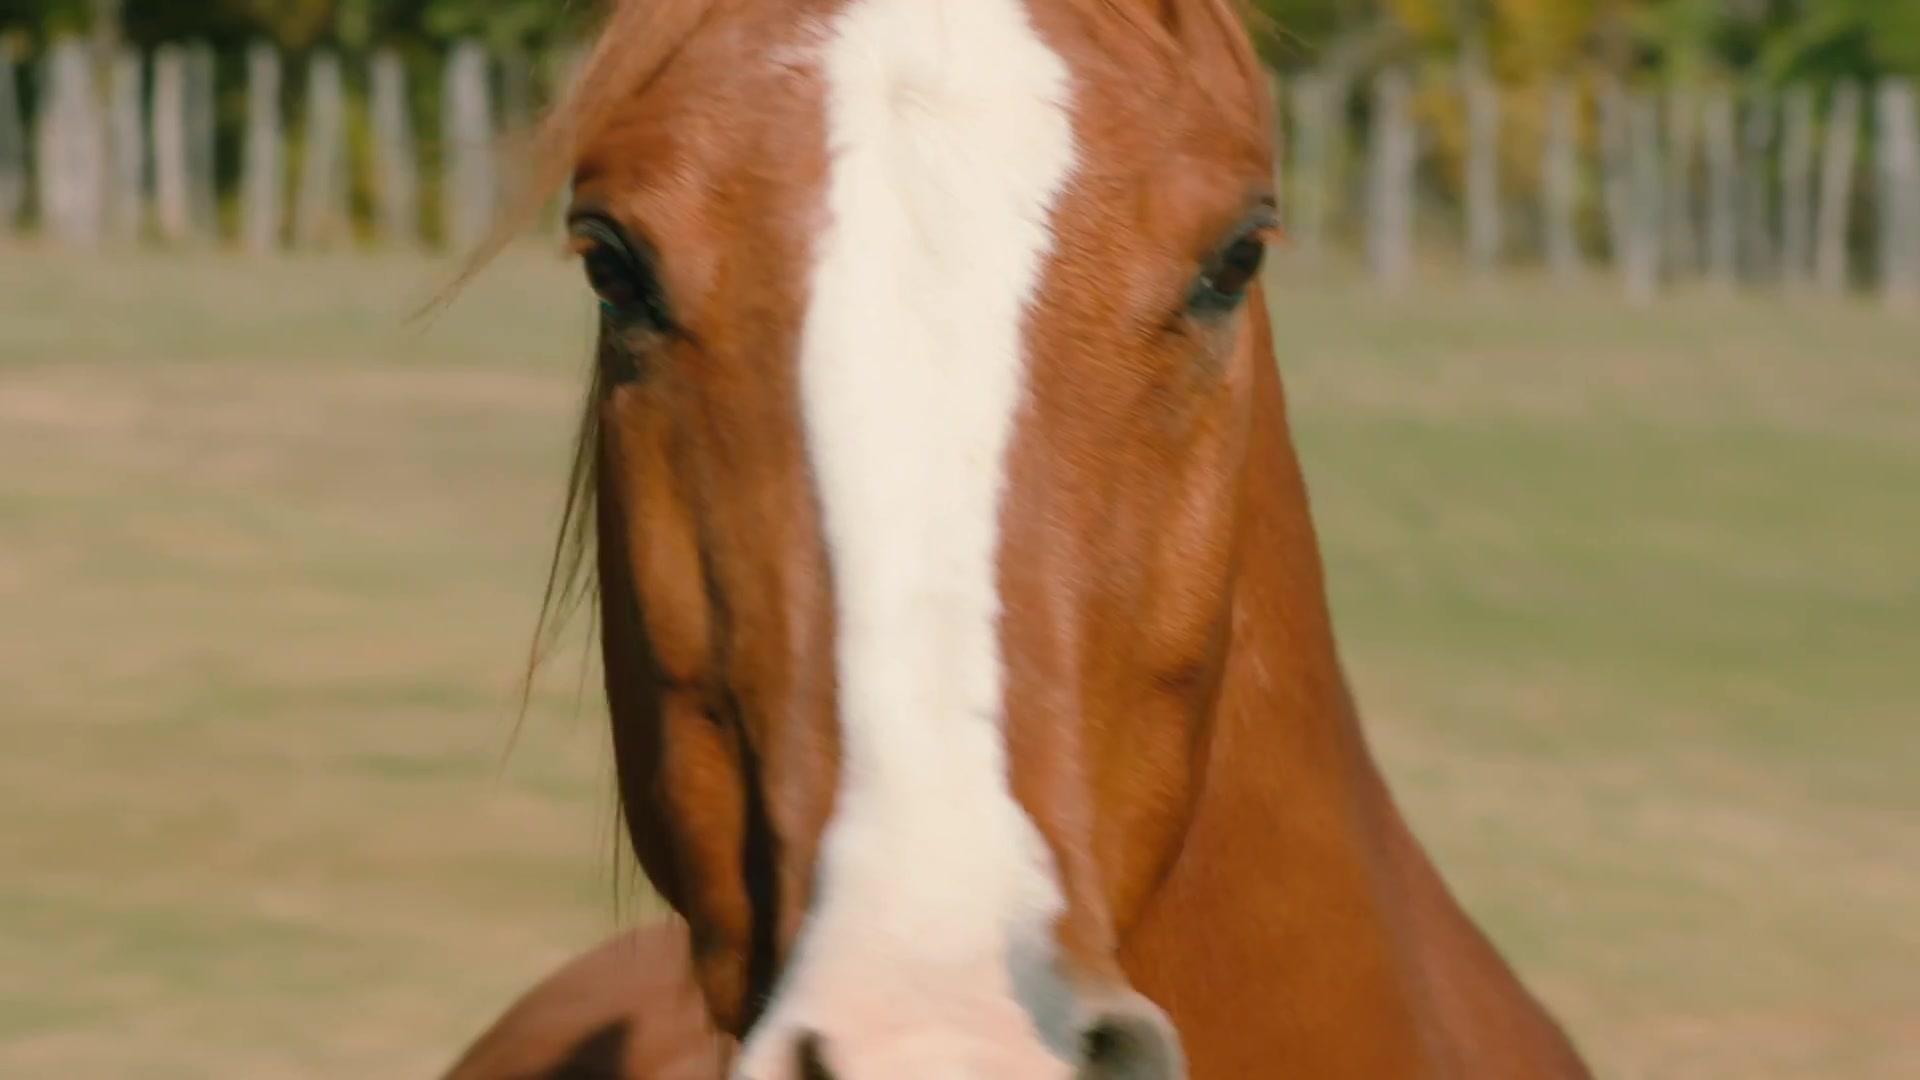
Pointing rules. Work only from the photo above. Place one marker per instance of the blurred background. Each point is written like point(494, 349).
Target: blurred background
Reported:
point(1601, 324)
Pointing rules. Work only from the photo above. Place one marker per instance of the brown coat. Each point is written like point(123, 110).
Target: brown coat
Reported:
point(628, 1010)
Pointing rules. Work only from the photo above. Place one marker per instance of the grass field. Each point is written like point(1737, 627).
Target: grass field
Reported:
point(1632, 600)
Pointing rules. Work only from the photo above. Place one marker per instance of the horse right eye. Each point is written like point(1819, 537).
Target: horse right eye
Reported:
point(621, 273)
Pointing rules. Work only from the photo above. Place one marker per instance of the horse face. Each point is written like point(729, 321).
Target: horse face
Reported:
point(924, 377)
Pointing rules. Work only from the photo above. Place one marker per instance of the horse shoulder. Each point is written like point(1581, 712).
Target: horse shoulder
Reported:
point(629, 1009)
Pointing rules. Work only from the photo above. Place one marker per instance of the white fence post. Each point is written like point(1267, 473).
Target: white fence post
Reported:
point(1757, 253)
point(1682, 236)
point(168, 120)
point(1899, 190)
point(183, 132)
point(1394, 152)
point(1640, 262)
point(73, 148)
point(1616, 181)
point(320, 212)
point(469, 187)
point(1838, 153)
point(1560, 182)
point(395, 164)
point(1312, 152)
point(263, 212)
point(1796, 186)
point(1483, 200)
point(126, 148)
point(201, 129)
point(1717, 123)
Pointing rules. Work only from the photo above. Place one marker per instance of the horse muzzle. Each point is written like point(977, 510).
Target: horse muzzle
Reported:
point(1119, 1036)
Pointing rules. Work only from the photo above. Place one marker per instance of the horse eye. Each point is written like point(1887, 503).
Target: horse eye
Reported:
point(1224, 281)
point(610, 275)
point(620, 274)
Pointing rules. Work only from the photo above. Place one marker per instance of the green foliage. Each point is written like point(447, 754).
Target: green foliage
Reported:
point(1299, 30)
point(22, 20)
point(1844, 37)
point(1766, 40)
point(505, 25)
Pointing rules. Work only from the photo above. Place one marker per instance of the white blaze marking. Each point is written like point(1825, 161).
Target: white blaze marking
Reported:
point(949, 139)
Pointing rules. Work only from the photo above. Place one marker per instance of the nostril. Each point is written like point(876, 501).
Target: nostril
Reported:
point(1133, 1042)
point(812, 1057)
point(1102, 1044)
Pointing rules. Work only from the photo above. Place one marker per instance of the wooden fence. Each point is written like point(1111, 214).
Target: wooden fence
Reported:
point(261, 151)
point(1816, 188)
point(1813, 189)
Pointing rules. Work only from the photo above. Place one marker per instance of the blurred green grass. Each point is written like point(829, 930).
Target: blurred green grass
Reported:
point(1632, 599)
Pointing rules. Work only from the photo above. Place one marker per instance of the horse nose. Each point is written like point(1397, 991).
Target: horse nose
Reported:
point(1129, 1038)
point(917, 1031)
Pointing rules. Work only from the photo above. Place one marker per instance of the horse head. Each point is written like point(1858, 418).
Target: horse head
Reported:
point(914, 465)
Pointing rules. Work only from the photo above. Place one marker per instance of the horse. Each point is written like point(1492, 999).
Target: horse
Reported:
point(973, 691)
point(626, 1010)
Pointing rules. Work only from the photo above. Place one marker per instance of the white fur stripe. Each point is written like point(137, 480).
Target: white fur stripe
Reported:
point(950, 138)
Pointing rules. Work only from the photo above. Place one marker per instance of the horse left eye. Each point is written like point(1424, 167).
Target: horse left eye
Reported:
point(611, 276)
point(1223, 283)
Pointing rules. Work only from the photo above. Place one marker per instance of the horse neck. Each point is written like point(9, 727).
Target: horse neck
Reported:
point(1300, 917)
